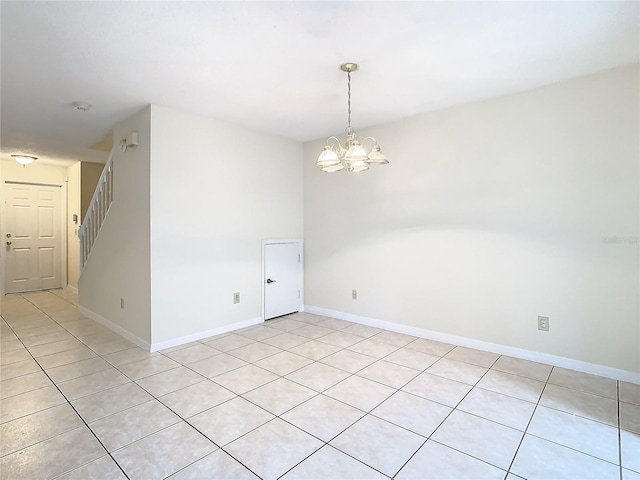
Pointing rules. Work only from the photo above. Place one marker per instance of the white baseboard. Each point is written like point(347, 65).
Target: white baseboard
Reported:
point(116, 328)
point(72, 288)
point(207, 333)
point(580, 366)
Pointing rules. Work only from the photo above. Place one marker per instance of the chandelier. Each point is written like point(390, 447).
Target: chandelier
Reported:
point(351, 157)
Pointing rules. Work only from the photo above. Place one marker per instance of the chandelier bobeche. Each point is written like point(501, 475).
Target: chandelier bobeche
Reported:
point(351, 157)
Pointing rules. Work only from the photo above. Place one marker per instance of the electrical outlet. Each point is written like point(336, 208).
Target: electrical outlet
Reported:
point(122, 303)
point(354, 294)
point(236, 297)
point(543, 323)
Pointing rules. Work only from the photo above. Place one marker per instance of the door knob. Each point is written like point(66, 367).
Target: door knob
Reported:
point(9, 243)
point(270, 281)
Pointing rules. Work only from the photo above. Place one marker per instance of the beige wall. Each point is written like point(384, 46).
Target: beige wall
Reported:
point(90, 174)
point(217, 191)
point(489, 215)
point(119, 264)
point(73, 208)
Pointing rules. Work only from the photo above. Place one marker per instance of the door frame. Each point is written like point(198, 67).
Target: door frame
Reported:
point(273, 241)
point(63, 226)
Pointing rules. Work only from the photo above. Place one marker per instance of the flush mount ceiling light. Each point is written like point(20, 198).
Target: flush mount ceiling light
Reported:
point(351, 157)
point(82, 106)
point(24, 159)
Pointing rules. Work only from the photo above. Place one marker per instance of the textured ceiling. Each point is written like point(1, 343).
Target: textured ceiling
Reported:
point(273, 66)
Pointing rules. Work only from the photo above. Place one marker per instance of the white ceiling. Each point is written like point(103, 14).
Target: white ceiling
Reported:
point(273, 66)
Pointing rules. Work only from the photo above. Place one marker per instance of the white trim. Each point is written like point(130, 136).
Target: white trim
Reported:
point(116, 328)
point(207, 333)
point(72, 288)
point(300, 243)
point(564, 362)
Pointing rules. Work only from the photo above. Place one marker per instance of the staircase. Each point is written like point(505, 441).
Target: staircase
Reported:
point(97, 212)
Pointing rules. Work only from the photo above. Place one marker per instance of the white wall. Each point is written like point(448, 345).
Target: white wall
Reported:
point(119, 264)
point(217, 191)
point(73, 208)
point(489, 215)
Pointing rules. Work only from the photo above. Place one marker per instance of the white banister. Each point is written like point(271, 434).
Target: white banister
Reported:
point(97, 211)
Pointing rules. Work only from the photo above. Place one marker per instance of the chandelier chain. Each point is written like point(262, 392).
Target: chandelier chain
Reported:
point(349, 99)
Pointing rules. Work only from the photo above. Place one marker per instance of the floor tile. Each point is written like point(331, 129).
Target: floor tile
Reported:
point(285, 340)
point(630, 393)
point(193, 354)
point(20, 355)
point(10, 344)
point(438, 389)
point(163, 453)
point(593, 407)
point(630, 475)
point(229, 342)
point(314, 349)
point(348, 361)
point(92, 383)
point(480, 438)
point(214, 366)
point(286, 324)
point(317, 376)
point(380, 444)
point(170, 381)
point(17, 369)
point(280, 396)
point(373, 348)
point(362, 330)
point(258, 332)
point(630, 417)
point(245, 378)
point(412, 358)
point(64, 358)
point(533, 463)
point(273, 448)
point(148, 367)
point(473, 356)
point(524, 368)
point(416, 414)
point(341, 339)
point(181, 346)
point(55, 347)
point(334, 323)
point(56, 336)
point(127, 426)
point(438, 462)
point(387, 373)
point(313, 331)
point(394, 338)
point(587, 436)
point(197, 398)
point(326, 462)
point(630, 449)
point(31, 429)
point(230, 420)
point(215, 465)
point(512, 385)
point(586, 382)
point(30, 402)
point(103, 468)
point(110, 401)
point(360, 393)
point(78, 369)
point(112, 346)
point(458, 371)
point(52, 457)
point(323, 417)
point(509, 411)
point(283, 363)
point(23, 384)
point(431, 347)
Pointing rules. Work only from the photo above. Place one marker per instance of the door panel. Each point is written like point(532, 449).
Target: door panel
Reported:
point(282, 279)
point(34, 248)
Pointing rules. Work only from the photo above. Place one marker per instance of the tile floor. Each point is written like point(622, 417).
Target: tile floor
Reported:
point(300, 397)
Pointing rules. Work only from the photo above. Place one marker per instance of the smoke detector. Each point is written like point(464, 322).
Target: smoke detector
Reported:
point(82, 106)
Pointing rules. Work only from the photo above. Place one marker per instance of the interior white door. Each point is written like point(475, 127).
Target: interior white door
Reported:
point(32, 237)
point(282, 279)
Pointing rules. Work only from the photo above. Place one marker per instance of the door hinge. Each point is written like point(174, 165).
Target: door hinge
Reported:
point(298, 258)
point(298, 293)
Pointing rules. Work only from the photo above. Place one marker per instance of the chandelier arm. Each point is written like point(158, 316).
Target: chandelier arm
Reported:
point(338, 144)
point(375, 142)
